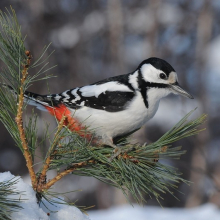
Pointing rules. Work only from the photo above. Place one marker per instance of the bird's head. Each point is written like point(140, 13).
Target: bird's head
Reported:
point(158, 73)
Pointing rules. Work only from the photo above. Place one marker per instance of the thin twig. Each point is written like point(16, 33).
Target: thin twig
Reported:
point(42, 177)
point(19, 121)
point(61, 175)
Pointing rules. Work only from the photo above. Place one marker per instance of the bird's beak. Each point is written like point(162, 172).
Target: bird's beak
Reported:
point(175, 88)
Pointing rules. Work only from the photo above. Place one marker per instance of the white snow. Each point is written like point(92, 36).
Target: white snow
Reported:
point(127, 212)
point(63, 212)
point(32, 211)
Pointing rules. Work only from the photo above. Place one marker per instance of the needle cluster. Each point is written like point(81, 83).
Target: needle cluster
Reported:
point(8, 204)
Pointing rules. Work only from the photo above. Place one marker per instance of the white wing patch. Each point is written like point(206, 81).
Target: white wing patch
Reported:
point(96, 90)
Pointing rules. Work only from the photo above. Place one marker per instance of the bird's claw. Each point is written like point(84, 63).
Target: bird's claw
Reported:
point(116, 152)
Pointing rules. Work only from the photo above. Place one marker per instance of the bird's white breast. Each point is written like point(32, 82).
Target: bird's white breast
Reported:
point(113, 124)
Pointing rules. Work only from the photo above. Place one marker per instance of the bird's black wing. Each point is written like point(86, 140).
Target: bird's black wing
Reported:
point(111, 95)
point(108, 101)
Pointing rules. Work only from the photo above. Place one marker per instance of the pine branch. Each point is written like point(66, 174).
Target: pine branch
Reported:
point(19, 121)
point(137, 171)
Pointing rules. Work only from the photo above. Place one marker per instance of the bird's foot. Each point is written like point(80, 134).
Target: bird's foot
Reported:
point(116, 152)
point(119, 150)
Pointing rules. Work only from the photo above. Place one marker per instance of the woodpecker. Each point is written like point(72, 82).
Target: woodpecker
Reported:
point(116, 106)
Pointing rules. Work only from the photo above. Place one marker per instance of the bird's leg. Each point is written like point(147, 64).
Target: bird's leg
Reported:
point(117, 150)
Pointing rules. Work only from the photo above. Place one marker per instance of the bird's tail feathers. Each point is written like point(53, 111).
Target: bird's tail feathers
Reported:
point(42, 102)
point(39, 101)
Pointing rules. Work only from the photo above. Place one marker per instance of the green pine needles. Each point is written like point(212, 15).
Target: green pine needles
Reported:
point(137, 171)
point(8, 204)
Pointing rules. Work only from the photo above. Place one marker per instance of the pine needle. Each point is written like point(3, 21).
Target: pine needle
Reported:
point(8, 204)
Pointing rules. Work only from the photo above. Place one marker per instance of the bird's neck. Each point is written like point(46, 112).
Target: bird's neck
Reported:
point(153, 97)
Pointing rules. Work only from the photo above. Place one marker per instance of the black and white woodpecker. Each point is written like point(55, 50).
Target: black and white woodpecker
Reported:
point(115, 106)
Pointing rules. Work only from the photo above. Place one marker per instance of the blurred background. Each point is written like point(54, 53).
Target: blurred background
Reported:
point(97, 39)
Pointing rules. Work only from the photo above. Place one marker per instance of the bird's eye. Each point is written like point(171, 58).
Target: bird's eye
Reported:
point(162, 76)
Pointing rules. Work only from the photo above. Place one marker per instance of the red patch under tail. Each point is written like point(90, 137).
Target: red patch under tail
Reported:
point(70, 122)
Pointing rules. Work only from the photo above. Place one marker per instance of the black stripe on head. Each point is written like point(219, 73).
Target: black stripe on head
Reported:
point(158, 64)
point(156, 85)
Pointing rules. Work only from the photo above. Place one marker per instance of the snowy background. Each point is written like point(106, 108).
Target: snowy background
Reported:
point(30, 210)
point(102, 38)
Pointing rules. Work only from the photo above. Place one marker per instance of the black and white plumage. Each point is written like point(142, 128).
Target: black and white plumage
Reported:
point(118, 105)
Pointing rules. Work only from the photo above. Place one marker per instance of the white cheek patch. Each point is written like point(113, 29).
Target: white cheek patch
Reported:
point(172, 78)
point(151, 74)
point(148, 72)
